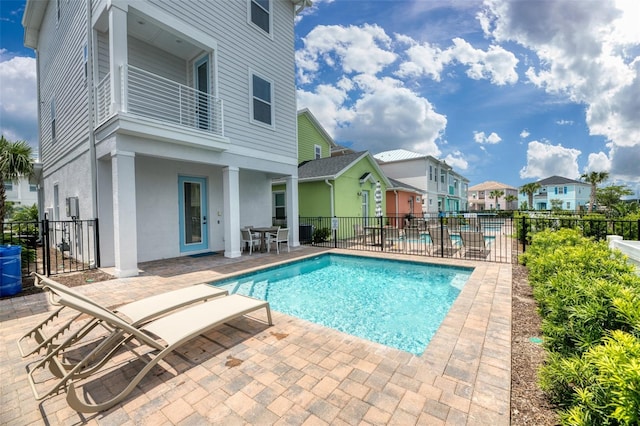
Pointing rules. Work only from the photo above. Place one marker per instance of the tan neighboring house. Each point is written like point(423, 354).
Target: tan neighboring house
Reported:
point(480, 198)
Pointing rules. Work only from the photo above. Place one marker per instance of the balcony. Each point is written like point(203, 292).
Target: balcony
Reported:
point(150, 96)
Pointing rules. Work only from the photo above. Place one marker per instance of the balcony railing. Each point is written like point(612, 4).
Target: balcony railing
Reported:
point(103, 99)
point(148, 95)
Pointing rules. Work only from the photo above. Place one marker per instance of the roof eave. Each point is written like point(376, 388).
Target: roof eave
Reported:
point(32, 20)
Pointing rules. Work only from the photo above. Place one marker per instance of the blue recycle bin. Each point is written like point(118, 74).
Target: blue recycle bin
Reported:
point(10, 270)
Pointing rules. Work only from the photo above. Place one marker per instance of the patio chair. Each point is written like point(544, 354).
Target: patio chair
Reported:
point(393, 238)
point(163, 335)
point(441, 241)
point(249, 240)
point(136, 313)
point(415, 240)
point(360, 234)
point(474, 244)
point(281, 236)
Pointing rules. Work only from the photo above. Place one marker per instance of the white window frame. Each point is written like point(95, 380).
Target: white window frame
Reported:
point(250, 4)
point(252, 98)
point(317, 152)
point(275, 206)
point(53, 120)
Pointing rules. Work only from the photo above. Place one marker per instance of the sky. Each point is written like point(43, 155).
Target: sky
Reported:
point(510, 91)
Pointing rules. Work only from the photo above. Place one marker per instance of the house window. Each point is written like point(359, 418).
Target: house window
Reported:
point(261, 15)
point(430, 172)
point(8, 185)
point(33, 188)
point(57, 11)
point(568, 205)
point(56, 203)
point(85, 60)
point(279, 206)
point(53, 120)
point(318, 151)
point(262, 94)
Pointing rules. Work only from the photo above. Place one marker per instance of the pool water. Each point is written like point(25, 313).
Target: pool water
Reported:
point(395, 303)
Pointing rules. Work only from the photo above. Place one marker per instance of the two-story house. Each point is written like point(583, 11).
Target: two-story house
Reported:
point(167, 120)
point(328, 186)
point(480, 198)
point(565, 193)
point(443, 188)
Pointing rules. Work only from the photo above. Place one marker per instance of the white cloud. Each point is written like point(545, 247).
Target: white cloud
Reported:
point(457, 161)
point(352, 49)
point(481, 138)
point(18, 100)
point(544, 160)
point(564, 122)
point(524, 134)
point(388, 115)
point(598, 162)
point(588, 52)
point(496, 64)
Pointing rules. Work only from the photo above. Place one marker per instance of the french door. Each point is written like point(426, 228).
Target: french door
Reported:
point(192, 193)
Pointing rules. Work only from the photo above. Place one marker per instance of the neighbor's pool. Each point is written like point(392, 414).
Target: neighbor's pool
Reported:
point(396, 303)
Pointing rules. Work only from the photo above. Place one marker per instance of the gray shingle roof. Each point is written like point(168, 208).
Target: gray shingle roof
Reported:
point(558, 180)
point(397, 184)
point(326, 167)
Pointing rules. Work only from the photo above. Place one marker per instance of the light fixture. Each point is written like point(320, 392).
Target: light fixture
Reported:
point(359, 194)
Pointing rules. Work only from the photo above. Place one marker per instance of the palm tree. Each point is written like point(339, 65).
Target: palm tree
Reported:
point(15, 161)
point(529, 189)
point(594, 178)
point(496, 193)
point(510, 199)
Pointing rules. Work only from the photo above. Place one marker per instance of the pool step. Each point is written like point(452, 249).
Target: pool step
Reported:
point(250, 288)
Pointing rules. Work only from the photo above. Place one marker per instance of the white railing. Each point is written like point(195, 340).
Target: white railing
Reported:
point(103, 100)
point(150, 95)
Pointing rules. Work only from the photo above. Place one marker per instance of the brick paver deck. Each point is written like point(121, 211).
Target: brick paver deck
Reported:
point(294, 372)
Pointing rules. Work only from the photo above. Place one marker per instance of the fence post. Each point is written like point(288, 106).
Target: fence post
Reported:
point(523, 237)
point(46, 256)
point(441, 234)
point(97, 240)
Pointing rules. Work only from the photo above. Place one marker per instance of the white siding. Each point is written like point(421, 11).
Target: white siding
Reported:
point(242, 46)
point(62, 76)
point(156, 61)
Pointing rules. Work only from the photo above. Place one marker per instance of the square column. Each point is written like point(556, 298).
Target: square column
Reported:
point(125, 239)
point(293, 220)
point(118, 54)
point(231, 220)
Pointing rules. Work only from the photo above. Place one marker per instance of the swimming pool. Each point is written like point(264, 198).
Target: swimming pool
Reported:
point(396, 303)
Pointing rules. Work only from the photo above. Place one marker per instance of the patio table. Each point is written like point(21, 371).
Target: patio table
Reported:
point(263, 231)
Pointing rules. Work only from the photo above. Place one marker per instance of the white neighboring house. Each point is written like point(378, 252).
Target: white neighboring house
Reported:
point(443, 188)
point(480, 198)
point(167, 120)
point(21, 192)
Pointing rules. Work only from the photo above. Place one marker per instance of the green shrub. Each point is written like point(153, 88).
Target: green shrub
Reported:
point(321, 235)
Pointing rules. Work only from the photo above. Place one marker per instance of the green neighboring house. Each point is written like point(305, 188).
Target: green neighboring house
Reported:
point(342, 186)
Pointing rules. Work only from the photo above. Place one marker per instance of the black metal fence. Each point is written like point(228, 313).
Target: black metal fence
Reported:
point(54, 247)
point(483, 237)
point(474, 237)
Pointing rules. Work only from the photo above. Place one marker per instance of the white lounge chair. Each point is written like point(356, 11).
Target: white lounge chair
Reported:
point(163, 335)
point(441, 241)
point(135, 313)
point(474, 244)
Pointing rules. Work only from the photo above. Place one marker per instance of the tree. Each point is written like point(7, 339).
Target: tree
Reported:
point(15, 161)
point(495, 194)
point(510, 199)
point(611, 195)
point(529, 189)
point(594, 178)
point(556, 204)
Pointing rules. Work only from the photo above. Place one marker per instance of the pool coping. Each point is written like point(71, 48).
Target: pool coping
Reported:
point(297, 372)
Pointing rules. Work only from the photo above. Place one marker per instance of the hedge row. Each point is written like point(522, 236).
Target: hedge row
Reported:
point(589, 301)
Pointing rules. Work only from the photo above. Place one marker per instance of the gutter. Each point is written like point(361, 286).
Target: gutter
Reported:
point(91, 117)
point(331, 196)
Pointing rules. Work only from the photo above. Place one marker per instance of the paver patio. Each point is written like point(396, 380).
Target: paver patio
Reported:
point(294, 372)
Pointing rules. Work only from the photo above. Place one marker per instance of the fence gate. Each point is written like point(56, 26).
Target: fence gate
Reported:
point(54, 247)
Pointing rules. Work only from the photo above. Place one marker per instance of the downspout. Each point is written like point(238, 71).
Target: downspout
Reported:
point(395, 191)
point(91, 117)
point(331, 196)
